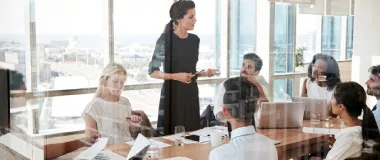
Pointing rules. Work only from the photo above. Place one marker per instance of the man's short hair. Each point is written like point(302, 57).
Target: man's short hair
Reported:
point(375, 70)
point(254, 57)
point(241, 98)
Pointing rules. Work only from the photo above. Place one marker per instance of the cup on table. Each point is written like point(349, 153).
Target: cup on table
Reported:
point(179, 132)
point(216, 138)
point(315, 117)
point(152, 151)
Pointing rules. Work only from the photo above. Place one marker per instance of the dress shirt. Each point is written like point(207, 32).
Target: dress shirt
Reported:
point(245, 144)
point(376, 113)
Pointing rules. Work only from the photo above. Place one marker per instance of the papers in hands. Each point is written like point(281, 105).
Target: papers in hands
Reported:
point(157, 143)
point(141, 144)
point(91, 152)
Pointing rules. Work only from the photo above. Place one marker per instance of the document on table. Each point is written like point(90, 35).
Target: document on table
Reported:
point(206, 131)
point(108, 155)
point(320, 130)
point(91, 152)
point(139, 148)
point(173, 138)
point(154, 143)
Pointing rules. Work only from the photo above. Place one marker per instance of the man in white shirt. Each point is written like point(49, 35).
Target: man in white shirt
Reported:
point(240, 101)
point(250, 69)
point(373, 89)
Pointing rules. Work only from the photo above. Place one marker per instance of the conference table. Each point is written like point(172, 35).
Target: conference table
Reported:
point(294, 143)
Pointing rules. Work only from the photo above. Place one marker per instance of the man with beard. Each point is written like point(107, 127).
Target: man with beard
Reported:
point(373, 89)
point(250, 69)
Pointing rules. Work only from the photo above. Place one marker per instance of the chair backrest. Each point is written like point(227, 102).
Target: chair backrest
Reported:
point(208, 118)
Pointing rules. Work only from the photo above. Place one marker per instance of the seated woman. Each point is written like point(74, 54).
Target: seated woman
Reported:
point(109, 114)
point(349, 100)
point(323, 76)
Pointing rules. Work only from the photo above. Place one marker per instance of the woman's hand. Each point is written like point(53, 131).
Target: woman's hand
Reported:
point(134, 120)
point(183, 77)
point(92, 137)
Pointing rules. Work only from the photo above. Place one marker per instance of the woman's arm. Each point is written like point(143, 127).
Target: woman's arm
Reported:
point(304, 90)
point(158, 58)
point(182, 77)
point(208, 73)
point(144, 126)
point(91, 131)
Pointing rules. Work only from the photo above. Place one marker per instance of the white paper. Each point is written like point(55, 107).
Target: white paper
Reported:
point(141, 143)
point(178, 158)
point(108, 155)
point(154, 143)
point(91, 152)
point(173, 138)
point(206, 131)
point(320, 130)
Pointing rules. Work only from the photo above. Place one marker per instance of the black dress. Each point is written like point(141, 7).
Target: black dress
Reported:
point(179, 102)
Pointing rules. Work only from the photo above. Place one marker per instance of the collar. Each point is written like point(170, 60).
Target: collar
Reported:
point(357, 129)
point(242, 131)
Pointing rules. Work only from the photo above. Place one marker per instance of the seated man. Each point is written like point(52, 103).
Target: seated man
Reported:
point(373, 89)
point(250, 69)
point(240, 101)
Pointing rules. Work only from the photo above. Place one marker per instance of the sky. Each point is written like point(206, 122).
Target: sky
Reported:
point(88, 16)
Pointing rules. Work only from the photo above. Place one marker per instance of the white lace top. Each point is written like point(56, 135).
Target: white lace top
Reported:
point(110, 118)
point(317, 92)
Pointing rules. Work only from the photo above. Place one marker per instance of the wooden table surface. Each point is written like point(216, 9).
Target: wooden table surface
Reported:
point(294, 143)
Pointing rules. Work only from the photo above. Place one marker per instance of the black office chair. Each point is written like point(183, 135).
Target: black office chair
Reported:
point(208, 117)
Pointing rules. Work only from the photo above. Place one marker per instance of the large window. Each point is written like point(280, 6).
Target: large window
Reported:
point(242, 32)
point(13, 42)
point(138, 25)
point(70, 55)
point(350, 37)
point(284, 48)
point(306, 39)
point(331, 36)
point(70, 42)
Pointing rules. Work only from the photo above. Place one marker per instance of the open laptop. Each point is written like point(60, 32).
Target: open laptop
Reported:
point(318, 106)
point(279, 115)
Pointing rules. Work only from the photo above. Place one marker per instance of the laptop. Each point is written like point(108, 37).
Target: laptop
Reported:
point(139, 148)
point(318, 106)
point(280, 115)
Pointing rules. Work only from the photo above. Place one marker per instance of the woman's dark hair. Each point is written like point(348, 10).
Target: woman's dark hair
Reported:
point(177, 11)
point(241, 98)
point(353, 96)
point(332, 71)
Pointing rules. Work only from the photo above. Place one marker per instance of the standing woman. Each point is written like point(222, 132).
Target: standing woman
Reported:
point(178, 50)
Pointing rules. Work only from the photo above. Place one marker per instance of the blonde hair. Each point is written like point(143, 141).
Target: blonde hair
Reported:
point(109, 70)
